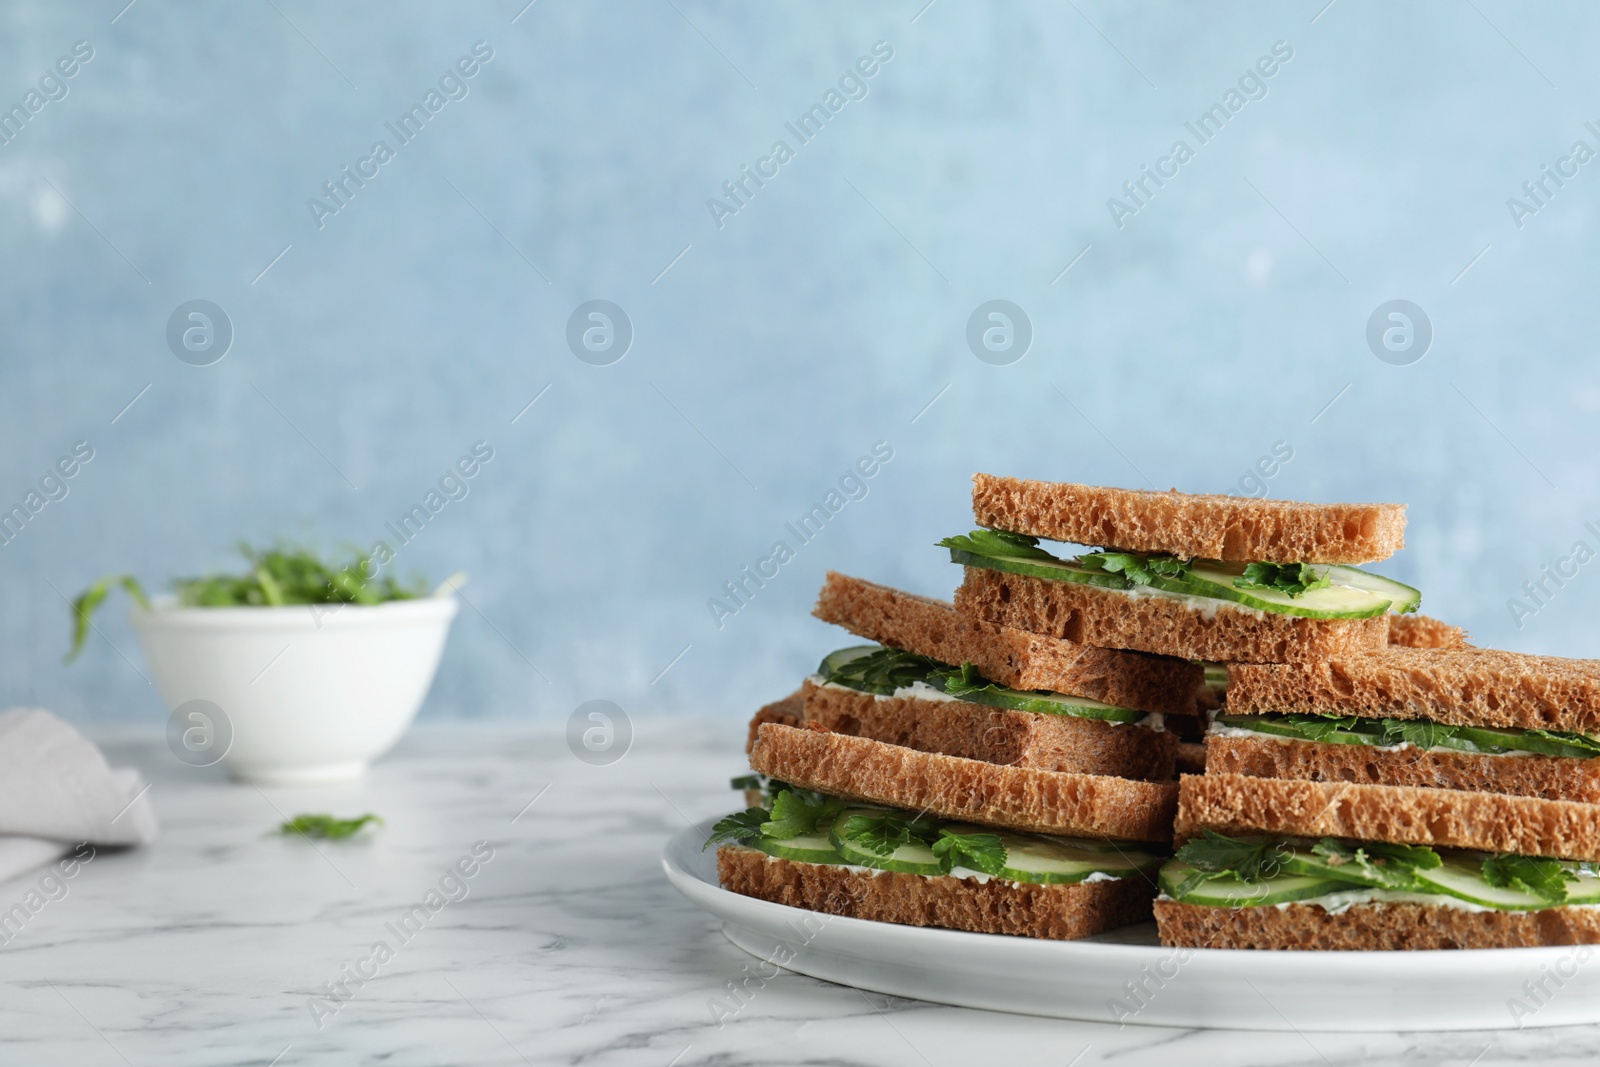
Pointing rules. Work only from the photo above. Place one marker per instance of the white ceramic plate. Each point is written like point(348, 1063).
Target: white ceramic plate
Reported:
point(1127, 977)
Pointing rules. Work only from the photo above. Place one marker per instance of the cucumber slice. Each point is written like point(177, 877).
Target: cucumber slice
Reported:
point(833, 662)
point(1586, 890)
point(1402, 598)
point(1041, 703)
point(1462, 878)
point(1056, 570)
point(1311, 865)
point(1206, 578)
point(807, 848)
point(1042, 860)
point(1493, 739)
point(1229, 892)
point(914, 858)
point(1474, 739)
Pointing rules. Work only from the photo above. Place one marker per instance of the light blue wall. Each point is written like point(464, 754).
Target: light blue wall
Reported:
point(1219, 319)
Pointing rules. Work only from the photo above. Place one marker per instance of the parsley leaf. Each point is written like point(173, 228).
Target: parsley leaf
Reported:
point(797, 811)
point(769, 788)
point(882, 834)
point(1250, 859)
point(742, 826)
point(1418, 732)
point(1140, 570)
point(327, 826)
point(283, 574)
point(976, 852)
point(1586, 744)
point(1544, 878)
point(881, 671)
point(1419, 857)
point(961, 681)
point(1372, 864)
point(996, 543)
point(1290, 578)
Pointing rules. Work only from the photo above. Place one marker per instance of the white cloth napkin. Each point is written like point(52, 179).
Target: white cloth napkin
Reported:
point(57, 791)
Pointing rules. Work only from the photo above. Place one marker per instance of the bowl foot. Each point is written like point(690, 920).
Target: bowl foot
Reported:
point(318, 774)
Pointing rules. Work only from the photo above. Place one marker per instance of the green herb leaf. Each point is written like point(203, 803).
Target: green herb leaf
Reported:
point(1365, 864)
point(960, 681)
point(741, 826)
point(1290, 578)
point(1418, 732)
point(327, 826)
point(748, 782)
point(997, 543)
point(90, 599)
point(881, 672)
point(274, 577)
point(882, 834)
point(1250, 859)
point(1544, 878)
point(290, 574)
point(1577, 741)
point(976, 852)
point(1417, 857)
point(796, 812)
point(1138, 569)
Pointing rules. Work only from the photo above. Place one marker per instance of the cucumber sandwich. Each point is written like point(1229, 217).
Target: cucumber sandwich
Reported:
point(1298, 864)
point(941, 682)
point(961, 773)
point(836, 855)
point(1464, 718)
point(1227, 579)
point(1009, 763)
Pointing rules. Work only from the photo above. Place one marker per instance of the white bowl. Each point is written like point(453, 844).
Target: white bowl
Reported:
point(307, 694)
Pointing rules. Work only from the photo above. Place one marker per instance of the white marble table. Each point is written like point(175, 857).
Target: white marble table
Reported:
point(568, 947)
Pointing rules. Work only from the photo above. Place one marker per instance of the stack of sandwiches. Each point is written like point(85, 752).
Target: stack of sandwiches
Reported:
point(1422, 798)
point(961, 773)
point(1027, 760)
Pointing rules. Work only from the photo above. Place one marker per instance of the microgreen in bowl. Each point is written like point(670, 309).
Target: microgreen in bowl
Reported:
point(284, 574)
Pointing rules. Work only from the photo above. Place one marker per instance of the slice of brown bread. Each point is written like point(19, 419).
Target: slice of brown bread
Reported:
point(790, 711)
point(1550, 777)
point(1369, 927)
point(1420, 631)
point(1019, 798)
point(1458, 687)
point(1110, 618)
point(1489, 822)
point(994, 735)
point(1060, 912)
point(1007, 656)
point(1209, 526)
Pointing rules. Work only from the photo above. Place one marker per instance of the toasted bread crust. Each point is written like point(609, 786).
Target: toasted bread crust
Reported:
point(1368, 927)
point(1060, 912)
point(1490, 822)
point(1020, 798)
point(1210, 526)
point(1420, 631)
point(790, 711)
point(1550, 777)
point(1113, 619)
point(1458, 687)
point(1008, 656)
point(995, 735)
